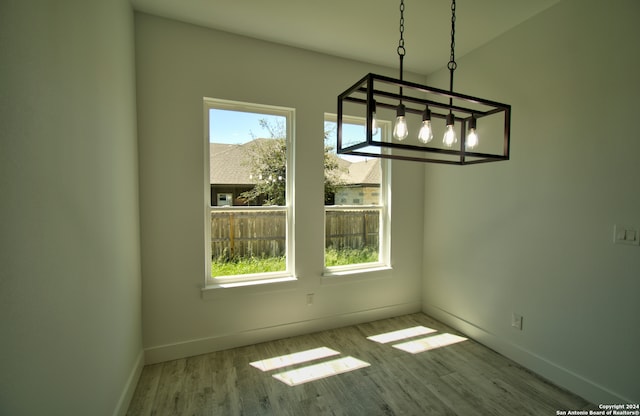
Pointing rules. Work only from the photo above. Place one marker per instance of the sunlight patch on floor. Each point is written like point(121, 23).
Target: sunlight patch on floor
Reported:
point(429, 343)
point(401, 334)
point(319, 371)
point(415, 342)
point(293, 359)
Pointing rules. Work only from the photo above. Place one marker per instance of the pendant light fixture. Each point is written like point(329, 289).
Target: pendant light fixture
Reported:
point(419, 113)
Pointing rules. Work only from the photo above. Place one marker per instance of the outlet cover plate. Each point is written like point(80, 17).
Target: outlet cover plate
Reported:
point(623, 234)
point(516, 321)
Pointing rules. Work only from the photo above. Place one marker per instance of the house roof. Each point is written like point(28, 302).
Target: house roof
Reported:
point(227, 166)
point(366, 172)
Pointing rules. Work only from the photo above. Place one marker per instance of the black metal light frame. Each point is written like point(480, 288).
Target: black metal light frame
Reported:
point(373, 91)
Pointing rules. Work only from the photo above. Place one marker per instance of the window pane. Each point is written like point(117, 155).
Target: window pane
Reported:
point(248, 190)
point(349, 180)
point(352, 236)
point(354, 204)
point(247, 159)
point(247, 241)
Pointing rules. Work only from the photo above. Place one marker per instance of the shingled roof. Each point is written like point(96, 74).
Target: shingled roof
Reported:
point(227, 166)
point(366, 172)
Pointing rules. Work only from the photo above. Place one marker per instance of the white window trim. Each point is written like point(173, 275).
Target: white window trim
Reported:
point(257, 279)
point(384, 243)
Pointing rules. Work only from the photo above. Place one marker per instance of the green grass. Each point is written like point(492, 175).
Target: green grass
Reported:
point(247, 266)
point(333, 257)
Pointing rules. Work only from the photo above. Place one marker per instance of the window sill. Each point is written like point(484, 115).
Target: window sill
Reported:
point(341, 275)
point(216, 290)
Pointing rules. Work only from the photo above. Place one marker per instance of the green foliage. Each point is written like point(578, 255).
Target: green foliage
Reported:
point(221, 267)
point(333, 172)
point(251, 265)
point(267, 162)
point(333, 175)
point(334, 257)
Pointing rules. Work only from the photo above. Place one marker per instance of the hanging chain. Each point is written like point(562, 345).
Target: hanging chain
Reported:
point(452, 65)
point(452, 60)
point(401, 50)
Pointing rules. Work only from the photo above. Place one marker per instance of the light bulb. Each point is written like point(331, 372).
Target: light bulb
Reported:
point(374, 120)
point(472, 137)
point(400, 130)
point(450, 137)
point(425, 135)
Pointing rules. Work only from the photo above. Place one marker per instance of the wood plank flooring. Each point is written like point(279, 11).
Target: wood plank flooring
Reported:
point(463, 378)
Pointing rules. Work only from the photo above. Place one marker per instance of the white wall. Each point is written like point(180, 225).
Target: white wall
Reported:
point(534, 235)
point(179, 64)
point(70, 318)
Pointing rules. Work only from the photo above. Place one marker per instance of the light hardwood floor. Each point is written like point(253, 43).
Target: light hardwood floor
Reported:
point(464, 378)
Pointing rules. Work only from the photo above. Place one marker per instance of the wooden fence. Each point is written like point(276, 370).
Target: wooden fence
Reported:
point(262, 233)
point(352, 229)
point(247, 233)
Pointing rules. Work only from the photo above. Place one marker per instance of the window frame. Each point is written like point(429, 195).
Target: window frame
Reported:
point(288, 274)
point(384, 208)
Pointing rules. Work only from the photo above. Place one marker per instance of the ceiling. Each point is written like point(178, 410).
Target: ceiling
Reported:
point(364, 30)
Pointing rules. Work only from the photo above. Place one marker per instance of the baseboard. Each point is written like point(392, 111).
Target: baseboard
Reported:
point(549, 370)
point(130, 386)
point(221, 342)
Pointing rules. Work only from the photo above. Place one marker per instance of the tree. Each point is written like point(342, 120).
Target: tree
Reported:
point(267, 161)
point(333, 172)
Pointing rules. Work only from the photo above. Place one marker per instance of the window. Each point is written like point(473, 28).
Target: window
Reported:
point(356, 204)
point(224, 199)
point(248, 207)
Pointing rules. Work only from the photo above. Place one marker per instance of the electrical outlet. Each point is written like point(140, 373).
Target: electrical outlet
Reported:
point(626, 235)
point(516, 321)
point(309, 299)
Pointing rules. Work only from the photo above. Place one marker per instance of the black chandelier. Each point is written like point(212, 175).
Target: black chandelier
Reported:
point(473, 130)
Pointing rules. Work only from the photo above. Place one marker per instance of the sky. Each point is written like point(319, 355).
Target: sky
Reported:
point(236, 127)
